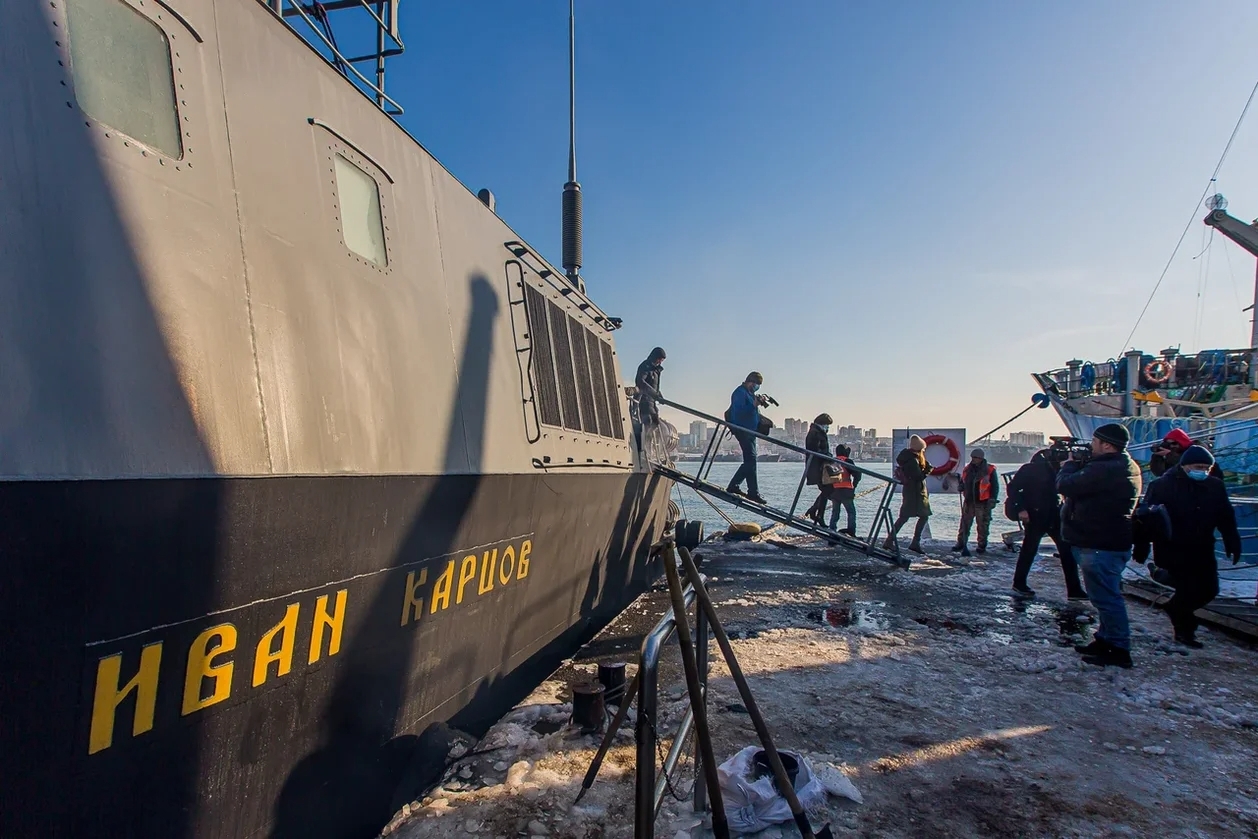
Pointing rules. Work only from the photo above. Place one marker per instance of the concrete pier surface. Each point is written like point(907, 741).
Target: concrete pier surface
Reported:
point(954, 709)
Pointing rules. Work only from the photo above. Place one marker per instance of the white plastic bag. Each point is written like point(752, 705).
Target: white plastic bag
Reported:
point(753, 804)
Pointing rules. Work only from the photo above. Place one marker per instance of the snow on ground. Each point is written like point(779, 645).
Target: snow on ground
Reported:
point(954, 709)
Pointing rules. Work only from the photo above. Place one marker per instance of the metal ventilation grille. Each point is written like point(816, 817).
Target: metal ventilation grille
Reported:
point(613, 392)
point(543, 357)
point(563, 367)
point(585, 387)
point(600, 389)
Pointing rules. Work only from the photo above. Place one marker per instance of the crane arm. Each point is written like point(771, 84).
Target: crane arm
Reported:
point(1233, 228)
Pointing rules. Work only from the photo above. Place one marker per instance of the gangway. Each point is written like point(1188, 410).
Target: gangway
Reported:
point(662, 463)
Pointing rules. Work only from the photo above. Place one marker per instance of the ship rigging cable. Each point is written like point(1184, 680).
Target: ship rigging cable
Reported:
point(1196, 208)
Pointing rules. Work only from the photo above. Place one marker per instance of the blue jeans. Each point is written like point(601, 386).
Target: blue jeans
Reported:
point(847, 505)
point(1102, 576)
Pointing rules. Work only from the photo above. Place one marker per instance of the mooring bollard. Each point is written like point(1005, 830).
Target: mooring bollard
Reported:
point(612, 677)
point(588, 710)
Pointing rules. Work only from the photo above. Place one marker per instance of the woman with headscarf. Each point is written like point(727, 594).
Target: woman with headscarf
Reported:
point(818, 440)
point(915, 500)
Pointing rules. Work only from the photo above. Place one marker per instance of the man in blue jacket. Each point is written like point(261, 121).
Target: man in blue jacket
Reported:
point(1100, 495)
point(744, 412)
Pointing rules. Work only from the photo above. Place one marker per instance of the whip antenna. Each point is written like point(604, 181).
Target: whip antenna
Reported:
point(572, 189)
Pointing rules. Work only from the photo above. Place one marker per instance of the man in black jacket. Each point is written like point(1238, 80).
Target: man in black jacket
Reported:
point(1033, 501)
point(647, 383)
point(1096, 520)
point(1197, 505)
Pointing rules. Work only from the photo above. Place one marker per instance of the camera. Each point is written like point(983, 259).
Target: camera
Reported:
point(1065, 448)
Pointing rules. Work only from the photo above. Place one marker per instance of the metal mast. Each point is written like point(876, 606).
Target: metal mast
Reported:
point(572, 189)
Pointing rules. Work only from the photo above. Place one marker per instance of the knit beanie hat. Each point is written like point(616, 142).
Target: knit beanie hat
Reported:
point(1114, 434)
point(917, 444)
point(1196, 455)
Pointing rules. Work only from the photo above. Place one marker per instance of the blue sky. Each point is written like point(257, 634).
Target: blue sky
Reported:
point(894, 211)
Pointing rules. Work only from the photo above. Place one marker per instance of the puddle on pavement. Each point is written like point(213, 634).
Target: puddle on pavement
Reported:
point(860, 614)
point(1070, 620)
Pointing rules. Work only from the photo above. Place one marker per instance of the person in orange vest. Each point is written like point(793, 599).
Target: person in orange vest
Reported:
point(844, 482)
point(980, 489)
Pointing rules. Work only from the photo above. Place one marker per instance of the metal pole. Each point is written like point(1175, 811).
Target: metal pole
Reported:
point(380, 57)
point(799, 490)
point(720, 827)
point(753, 710)
point(701, 657)
point(644, 795)
point(621, 713)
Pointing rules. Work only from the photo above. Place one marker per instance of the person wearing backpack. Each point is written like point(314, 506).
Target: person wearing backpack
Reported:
point(843, 495)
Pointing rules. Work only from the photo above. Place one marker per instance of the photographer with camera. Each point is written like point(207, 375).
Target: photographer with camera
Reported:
point(1167, 453)
point(1033, 501)
point(1197, 505)
point(744, 412)
point(1100, 493)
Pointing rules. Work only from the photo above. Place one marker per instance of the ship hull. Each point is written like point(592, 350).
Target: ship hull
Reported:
point(260, 656)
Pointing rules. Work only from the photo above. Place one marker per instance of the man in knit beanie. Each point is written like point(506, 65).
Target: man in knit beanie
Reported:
point(1197, 505)
point(1100, 496)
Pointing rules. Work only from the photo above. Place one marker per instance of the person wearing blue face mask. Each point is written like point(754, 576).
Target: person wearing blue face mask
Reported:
point(1197, 505)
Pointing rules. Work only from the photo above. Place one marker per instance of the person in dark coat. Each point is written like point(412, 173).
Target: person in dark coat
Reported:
point(744, 412)
point(1033, 501)
point(980, 490)
point(914, 469)
point(647, 383)
point(1166, 454)
point(818, 440)
point(844, 490)
point(1197, 506)
point(1100, 495)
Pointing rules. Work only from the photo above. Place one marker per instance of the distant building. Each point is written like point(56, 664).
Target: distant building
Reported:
point(698, 433)
point(1035, 439)
point(871, 435)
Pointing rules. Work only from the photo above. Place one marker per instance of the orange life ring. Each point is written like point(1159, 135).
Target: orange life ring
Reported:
point(954, 456)
point(1158, 371)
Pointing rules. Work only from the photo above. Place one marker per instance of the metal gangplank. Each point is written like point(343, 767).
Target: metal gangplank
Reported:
point(662, 463)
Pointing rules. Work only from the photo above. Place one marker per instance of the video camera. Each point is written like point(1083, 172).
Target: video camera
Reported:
point(1064, 448)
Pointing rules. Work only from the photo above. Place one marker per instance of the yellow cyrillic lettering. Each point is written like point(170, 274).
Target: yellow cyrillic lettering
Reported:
point(412, 603)
point(284, 655)
point(488, 563)
point(441, 589)
point(323, 620)
point(467, 573)
point(109, 696)
point(525, 550)
point(201, 666)
point(506, 568)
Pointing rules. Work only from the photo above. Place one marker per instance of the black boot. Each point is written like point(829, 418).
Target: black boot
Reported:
point(1111, 657)
point(1096, 647)
point(1023, 590)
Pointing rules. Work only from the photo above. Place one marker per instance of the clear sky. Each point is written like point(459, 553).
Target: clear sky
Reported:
point(895, 212)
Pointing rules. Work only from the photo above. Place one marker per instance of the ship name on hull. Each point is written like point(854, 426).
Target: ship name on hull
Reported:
point(189, 666)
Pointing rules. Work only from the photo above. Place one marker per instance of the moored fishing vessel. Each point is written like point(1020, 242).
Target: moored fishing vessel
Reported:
point(302, 450)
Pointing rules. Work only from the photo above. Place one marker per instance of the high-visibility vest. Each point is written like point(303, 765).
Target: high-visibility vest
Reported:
point(844, 480)
point(984, 483)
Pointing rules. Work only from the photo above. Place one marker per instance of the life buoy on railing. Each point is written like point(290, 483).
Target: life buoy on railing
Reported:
point(954, 456)
point(1158, 371)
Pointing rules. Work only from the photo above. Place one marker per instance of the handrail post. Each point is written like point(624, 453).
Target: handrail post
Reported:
point(800, 489)
point(701, 655)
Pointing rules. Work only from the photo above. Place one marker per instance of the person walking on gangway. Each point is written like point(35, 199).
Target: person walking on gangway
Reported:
point(744, 412)
point(913, 471)
point(647, 383)
point(818, 440)
point(980, 489)
point(1197, 505)
point(844, 483)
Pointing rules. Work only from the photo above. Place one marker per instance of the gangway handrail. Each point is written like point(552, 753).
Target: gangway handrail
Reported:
point(663, 464)
point(851, 467)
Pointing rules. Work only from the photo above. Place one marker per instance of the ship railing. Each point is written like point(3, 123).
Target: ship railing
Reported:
point(1198, 376)
point(650, 789)
point(383, 17)
point(661, 460)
